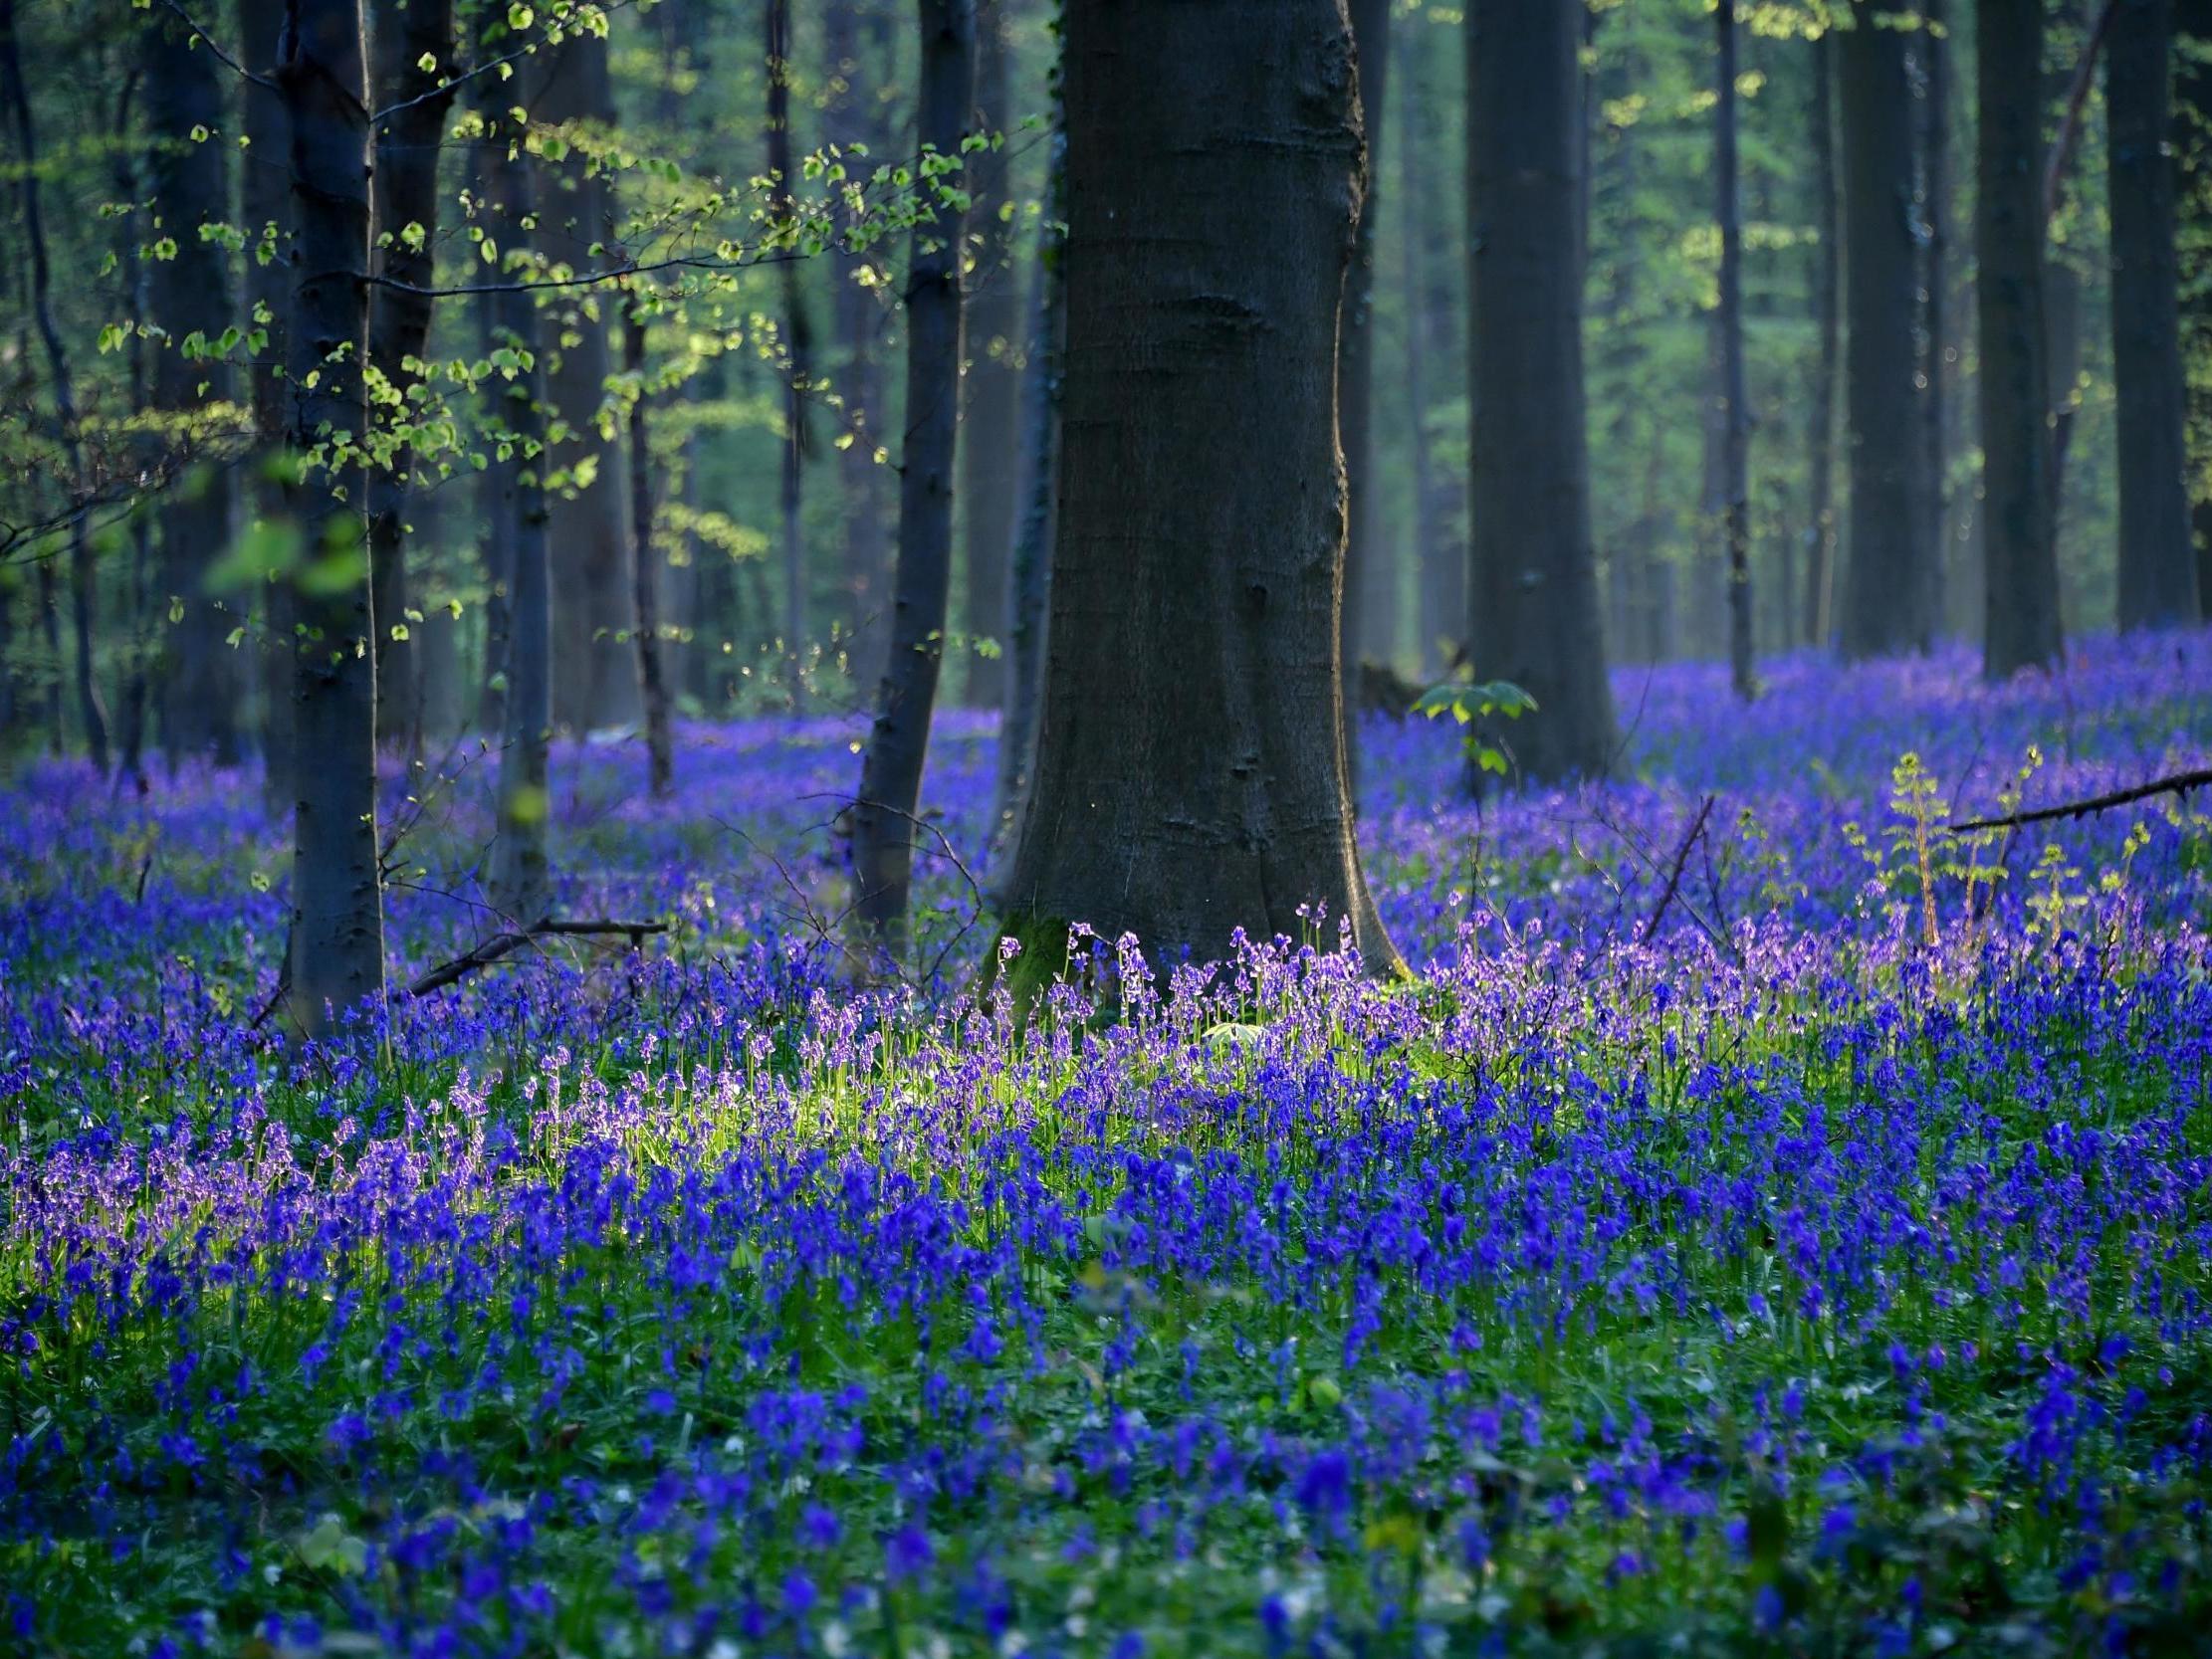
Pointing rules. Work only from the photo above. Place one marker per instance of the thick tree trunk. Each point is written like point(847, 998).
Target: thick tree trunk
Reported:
point(1191, 774)
point(2192, 140)
point(2021, 590)
point(1820, 530)
point(1535, 619)
point(1886, 586)
point(596, 685)
point(991, 387)
point(521, 878)
point(1735, 485)
point(1033, 547)
point(407, 147)
point(2157, 570)
point(645, 570)
point(337, 928)
point(886, 817)
point(266, 199)
point(852, 118)
point(798, 365)
point(91, 712)
point(202, 688)
point(1432, 313)
point(1355, 374)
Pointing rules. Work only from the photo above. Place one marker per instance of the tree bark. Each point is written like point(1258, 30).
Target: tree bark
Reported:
point(1820, 542)
point(2192, 140)
point(596, 687)
point(338, 931)
point(852, 119)
point(190, 293)
point(885, 818)
point(1535, 617)
point(1886, 586)
point(989, 440)
point(1932, 44)
point(645, 570)
point(1432, 311)
point(1735, 486)
point(407, 147)
point(1191, 770)
point(91, 712)
point(1364, 547)
point(799, 367)
point(2021, 590)
point(1033, 547)
point(266, 200)
point(521, 878)
point(2157, 570)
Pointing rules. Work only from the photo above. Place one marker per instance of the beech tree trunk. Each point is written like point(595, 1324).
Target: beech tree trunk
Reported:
point(1364, 549)
point(1932, 44)
point(266, 202)
point(337, 927)
point(91, 712)
point(1886, 587)
point(645, 570)
point(2019, 540)
point(2192, 141)
point(989, 444)
point(852, 118)
point(798, 366)
point(407, 147)
point(1820, 532)
point(521, 878)
point(1736, 441)
point(886, 817)
point(1440, 551)
point(202, 687)
point(1032, 548)
point(596, 685)
point(2157, 570)
point(1190, 771)
point(1535, 615)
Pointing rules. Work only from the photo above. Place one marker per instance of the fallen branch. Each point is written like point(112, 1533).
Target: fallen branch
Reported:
point(501, 945)
point(1674, 876)
point(2177, 783)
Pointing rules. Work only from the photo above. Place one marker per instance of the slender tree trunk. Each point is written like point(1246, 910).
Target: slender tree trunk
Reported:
point(886, 817)
point(407, 147)
point(137, 661)
point(521, 878)
point(1364, 547)
point(1933, 46)
point(1191, 769)
point(496, 483)
point(1887, 587)
point(645, 568)
point(338, 931)
point(1820, 543)
point(2021, 590)
point(2157, 570)
point(852, 120)
point(1735, 511)
point(1433, 310)
point(1535, 619)
point(988, 443)
point(596, 685)
point(1033, 547)
point(190, 293)
point(266, 200)
point(798, 369)
point(2192, 140)
point(90, 711)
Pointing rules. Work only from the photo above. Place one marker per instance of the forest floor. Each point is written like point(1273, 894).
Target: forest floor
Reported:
point(1768, 1220)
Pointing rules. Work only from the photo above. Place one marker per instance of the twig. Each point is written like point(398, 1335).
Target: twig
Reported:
point(2077, 96)
point(2176, 784)
point(221, 57)
point(1674, 875)
point(506, 944)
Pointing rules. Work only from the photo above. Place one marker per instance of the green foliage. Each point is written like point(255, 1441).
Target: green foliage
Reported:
point(1469, 704)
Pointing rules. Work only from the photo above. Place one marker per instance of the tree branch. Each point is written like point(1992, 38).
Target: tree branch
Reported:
point(2176, 784)
point(501, 945)
point(221, 57)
